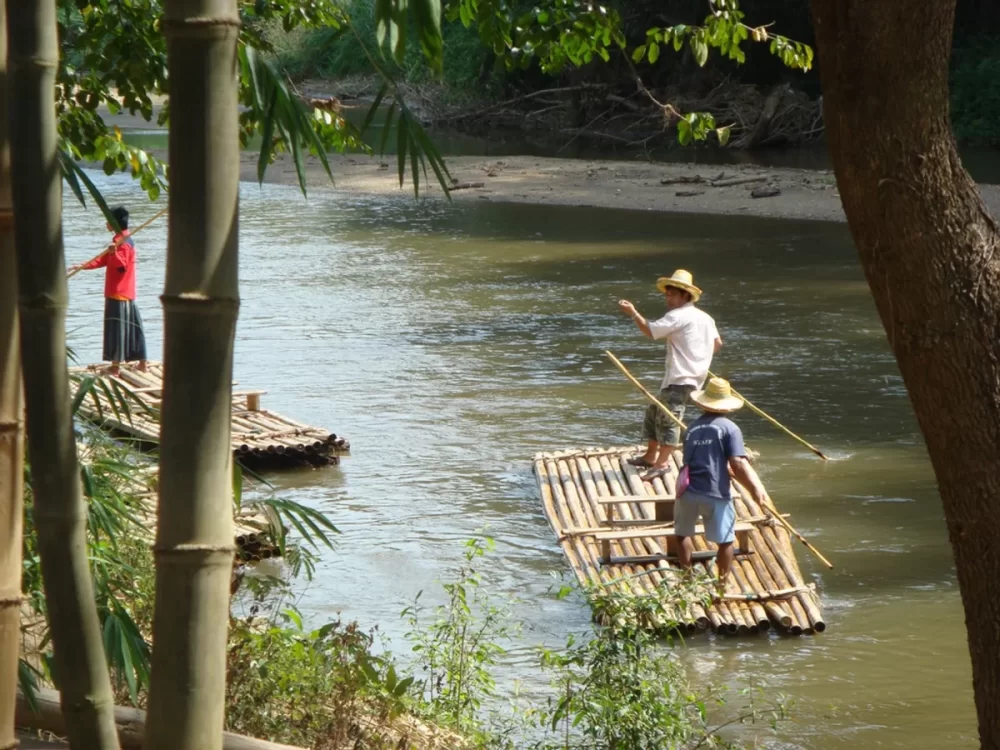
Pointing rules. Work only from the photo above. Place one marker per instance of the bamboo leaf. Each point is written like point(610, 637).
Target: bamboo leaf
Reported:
point(401, 143)
point(415, 162)
point(85, 387)
point(387, 127)
point(373, 110)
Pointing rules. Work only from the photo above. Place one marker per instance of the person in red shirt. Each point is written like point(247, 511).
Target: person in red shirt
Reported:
point(124, 338)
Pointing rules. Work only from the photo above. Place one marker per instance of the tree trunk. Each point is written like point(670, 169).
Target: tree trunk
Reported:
point(59, 512)
point(11, 429)
point(928, 247)
point(194, 542)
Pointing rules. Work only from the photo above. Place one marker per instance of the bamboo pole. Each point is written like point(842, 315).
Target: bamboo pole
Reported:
point(770, 508)
point(642, 388)
point(11, 428)
point(122, 239)
point(541, 476)
point(194, 541)
point(776, 423)
point(59, 513)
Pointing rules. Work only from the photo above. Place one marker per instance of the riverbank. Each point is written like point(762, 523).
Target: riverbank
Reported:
point(702, 189)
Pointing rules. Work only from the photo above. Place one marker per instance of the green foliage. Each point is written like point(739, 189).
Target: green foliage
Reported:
point(457, 649)
point(300, 686)
point(115, 56)
point(975, 91)
point(623, 687)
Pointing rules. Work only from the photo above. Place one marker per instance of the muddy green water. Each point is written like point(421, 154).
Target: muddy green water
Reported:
point(450, 343)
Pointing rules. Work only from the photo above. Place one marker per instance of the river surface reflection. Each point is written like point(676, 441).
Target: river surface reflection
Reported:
point(449, 343)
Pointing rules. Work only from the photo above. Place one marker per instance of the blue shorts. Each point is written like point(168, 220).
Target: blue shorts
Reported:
point(718, 515)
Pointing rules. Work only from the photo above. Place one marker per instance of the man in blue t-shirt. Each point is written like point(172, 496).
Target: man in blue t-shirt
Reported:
point(713, 446)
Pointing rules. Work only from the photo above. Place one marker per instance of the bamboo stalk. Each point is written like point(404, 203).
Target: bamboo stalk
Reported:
point(776, 423)
point(11, 427)
point(194, 542)
point(59, 513)
point(114, 245)
point(642, 388)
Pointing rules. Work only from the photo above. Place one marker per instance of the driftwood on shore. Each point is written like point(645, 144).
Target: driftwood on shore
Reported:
point(131, 723)
point(717, 181)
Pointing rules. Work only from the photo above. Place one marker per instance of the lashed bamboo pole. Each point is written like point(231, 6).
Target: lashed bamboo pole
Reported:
point(115, 244)
point(194, 542)
point(775, 422)
point(576, 554)
point(606, 479)
point(59, 513)
point(11, 427)
point(541, 475)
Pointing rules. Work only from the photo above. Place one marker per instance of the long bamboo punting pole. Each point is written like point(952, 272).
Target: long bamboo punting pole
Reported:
point(770, 508)
point(114, 245)
point(642, 388)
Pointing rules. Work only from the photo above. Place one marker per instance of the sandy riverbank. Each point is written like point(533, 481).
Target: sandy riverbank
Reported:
point(805, 194)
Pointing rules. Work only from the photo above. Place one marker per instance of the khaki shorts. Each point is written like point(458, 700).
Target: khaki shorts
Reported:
point(658, 426)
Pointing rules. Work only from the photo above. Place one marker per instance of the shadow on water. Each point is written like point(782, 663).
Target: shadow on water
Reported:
point(450, 343)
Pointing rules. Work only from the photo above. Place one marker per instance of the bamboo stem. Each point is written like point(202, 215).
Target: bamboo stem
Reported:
point(59, 512)
point(11, 427)
point(642, 388)
point(122, 239)
point(194, 540)
point(775, 422)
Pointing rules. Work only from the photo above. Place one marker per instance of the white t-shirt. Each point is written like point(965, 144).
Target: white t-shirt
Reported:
point(690, 335)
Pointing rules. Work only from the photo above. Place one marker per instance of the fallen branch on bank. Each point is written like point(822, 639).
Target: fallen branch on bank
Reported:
point(466, 186)
point(712, 182)
point(131, 723)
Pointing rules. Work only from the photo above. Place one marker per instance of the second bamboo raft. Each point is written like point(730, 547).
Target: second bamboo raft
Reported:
point(261, 439)
point(765, 589)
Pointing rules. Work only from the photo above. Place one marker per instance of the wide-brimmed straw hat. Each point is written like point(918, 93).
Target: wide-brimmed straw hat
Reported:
point(681, 280)
point(717, 396)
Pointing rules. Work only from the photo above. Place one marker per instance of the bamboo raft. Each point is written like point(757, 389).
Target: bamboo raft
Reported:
point(616, 530)
point(261, 439)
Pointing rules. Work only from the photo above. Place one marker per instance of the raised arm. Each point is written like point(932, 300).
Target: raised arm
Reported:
point(641, 323)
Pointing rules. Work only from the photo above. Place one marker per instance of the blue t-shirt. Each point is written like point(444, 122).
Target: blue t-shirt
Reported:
point(710, 442)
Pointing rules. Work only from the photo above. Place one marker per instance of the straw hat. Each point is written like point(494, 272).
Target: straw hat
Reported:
point(681, 280)
point(717, 396)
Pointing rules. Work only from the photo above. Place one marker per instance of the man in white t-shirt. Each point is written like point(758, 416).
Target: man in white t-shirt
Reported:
point(691, 340)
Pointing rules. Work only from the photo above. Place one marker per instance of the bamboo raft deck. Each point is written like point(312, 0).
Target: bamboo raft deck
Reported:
point(630, 543)
point(261, 439)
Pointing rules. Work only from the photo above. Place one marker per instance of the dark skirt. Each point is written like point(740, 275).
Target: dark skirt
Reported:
point(124, 339)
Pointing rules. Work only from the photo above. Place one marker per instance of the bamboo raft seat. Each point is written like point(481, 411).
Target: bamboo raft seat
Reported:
point(616, 532)
point(261, 439)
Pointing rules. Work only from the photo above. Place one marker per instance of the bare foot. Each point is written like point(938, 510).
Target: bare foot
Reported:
point(143, 366)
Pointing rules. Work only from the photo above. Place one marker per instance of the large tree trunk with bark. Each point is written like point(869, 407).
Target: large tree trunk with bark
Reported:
point(194, 538)
point(59, 511)
point(929, 249)
point(11, 429)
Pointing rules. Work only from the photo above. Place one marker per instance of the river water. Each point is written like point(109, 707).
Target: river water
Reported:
point(450, 343)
